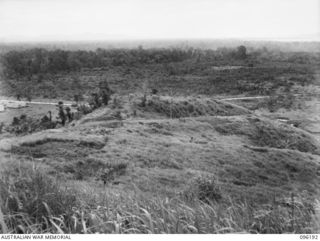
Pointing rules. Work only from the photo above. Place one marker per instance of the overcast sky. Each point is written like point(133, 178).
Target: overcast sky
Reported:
point(51, 20)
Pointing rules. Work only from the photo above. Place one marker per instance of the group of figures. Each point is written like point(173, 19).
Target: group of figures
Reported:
point(25, 124)
point(64, 114)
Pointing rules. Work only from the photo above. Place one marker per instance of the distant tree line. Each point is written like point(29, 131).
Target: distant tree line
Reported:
point(37, 61)
point(40, 61)
point(48, 73)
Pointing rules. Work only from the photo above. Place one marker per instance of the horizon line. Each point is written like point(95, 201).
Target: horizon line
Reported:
point(280, 40)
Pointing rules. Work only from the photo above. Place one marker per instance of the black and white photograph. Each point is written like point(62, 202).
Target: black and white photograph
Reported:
point(159, 117)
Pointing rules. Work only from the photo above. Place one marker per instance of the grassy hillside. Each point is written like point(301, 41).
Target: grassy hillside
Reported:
point(165, 155)
point(129, 169)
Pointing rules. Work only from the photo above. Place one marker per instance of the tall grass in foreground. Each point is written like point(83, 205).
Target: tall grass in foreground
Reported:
point(35, 203)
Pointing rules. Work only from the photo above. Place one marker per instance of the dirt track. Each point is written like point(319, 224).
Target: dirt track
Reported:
point(35, 102)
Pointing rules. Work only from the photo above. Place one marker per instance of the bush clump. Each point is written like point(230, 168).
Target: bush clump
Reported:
point(205, 189)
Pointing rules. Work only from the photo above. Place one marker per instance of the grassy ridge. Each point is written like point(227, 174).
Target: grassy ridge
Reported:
point(227, 178)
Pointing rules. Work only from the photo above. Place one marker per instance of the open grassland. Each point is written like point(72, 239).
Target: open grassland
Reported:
point(213, 168)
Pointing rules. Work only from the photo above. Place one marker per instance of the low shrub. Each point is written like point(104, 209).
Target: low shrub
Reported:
point(112, 170)
point(203, 188)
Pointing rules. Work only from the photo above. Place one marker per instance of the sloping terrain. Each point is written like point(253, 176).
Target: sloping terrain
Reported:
point(244, 152)
point(125, 155)
point(174, 161)
point(164, 107)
